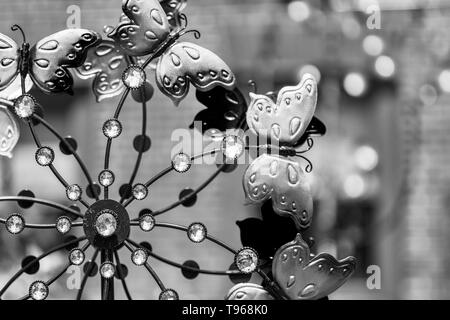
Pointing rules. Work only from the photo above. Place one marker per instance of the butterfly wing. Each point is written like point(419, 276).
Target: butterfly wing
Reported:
point(106, 62)
point(185, 63)
point(173, 9)
point(225, 109)
point(9, 60)
point(50, 58)
point(14, 89)
point(143, 30)
point(286, 120)
point(9, 132)
point(248, 291)
point(303, 279)
point(271, 176)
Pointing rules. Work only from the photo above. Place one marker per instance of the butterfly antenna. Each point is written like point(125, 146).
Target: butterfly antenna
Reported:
point(16, 27)
point(196, 33)
point(309, 144)
point(185, 20)
point(253, 86)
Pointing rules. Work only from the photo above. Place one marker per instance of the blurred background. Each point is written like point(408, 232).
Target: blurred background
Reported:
point(380, 179)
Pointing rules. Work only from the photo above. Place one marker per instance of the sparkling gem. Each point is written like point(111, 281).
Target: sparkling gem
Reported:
point(196, 232)
point(181, 162)
point(45, 156)
point(38, 290)
point(147, 222)
point(106, 224)
point(106, 178)
point(246, 260)
point(140, 191)
point(73, 192)
point(107, 270)
point(232, 147)
point(15, 223)
point(168, 294)
point(63, 224)
point(76, 256)
point(139, 257)
point(112, 128)
point(25, 106)
point(134, 77)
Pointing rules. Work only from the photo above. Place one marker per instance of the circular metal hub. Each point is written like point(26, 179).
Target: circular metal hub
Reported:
point(106, 224)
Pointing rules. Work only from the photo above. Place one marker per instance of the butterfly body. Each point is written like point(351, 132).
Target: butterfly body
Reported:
point(46, 62)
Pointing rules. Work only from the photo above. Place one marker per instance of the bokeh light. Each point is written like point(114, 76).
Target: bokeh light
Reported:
point(366, 158)
point(385, 66)
point(299, 11)
point(373, 45)
point(355, 84)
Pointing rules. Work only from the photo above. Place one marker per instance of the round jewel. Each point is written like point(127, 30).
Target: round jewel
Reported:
point(63, 224)
point(147, 222)
point(246, 260)
point(44, 156)
point(181, 162)
point(107, 270)
point(168, 294)
point(38, 290)
point(24, 106)
point(76, 256)
point(134, 77)
point(140, 191)
point(15, 223)
point(73, 192)
point(197, 232)
point(106, 178)
point(232, 147)
point(112, 128)
point(139, 257)
point(106, 224)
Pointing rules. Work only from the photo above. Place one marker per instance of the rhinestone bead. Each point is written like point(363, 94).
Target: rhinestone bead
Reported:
point(168, 294)
point(44, 156)
point(15, 223)
point(107, 270)
point(63, 225)
point(147, 222)
point(139, 257)
point(74, 192)
point(112, 128)
point(134, 77)
point(181, 162)
point(76, 256)
point(106, 178)
point(24, 106)
point(106, 224)
point(140, 191)
point(38, 290)
point(197, 232)
point(246, 260)
point(232, 147)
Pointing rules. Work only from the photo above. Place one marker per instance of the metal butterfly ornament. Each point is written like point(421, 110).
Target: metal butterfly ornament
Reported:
point(277, 176)
point(45, 65)
point(144, 29)
point(300, 275)
point(46, 62)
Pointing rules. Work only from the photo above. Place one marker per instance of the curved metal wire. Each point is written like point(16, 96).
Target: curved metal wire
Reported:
point(141, 149)
point(180, 266)
point(148, 267)
point(122, 278)
point(43, 202)
point(42, 256)
point(51, 166)
point(69, 147)
point(87, 273)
